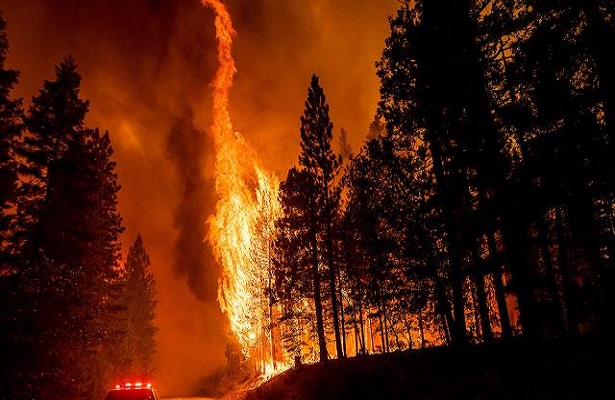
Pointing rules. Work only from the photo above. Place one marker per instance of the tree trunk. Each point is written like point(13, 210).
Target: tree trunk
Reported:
point(571, 318)
point(362, 325)
point(333, 292)
point(551, 277)
point(500, 295)
point(421, 329)
point(481, 295)
point(371, 332)
point(458, 329)
point(409, 330)
point(343, 324)
point(320, 327)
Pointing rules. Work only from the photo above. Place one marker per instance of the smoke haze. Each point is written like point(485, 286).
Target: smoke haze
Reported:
point(146, 68)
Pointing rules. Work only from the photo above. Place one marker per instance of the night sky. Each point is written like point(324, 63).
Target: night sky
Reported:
point(146, 68)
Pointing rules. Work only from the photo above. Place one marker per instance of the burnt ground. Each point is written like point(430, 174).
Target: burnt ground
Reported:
point(516, 369)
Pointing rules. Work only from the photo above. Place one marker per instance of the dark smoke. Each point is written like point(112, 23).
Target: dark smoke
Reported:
point(187, 147)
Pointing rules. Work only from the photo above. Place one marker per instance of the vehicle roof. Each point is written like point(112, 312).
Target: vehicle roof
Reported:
point(132, 394)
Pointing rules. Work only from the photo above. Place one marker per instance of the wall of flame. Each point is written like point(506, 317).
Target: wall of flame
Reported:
point(247, 206)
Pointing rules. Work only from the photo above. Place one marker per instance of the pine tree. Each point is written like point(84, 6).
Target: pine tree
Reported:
point(366, 244)
point(57, 113)
point(563, 174)
point(434, 89)
point(139, 299)
point(412, 105)
point(11, 129)
point(54, 119)
point(70, 229)
point(296, 272)
point(77, 267)
point(104, 256)
point(318, 159)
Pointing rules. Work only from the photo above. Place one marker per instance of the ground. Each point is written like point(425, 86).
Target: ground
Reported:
point(516, 369)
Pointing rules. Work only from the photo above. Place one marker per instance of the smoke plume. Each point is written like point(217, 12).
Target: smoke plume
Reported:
point(147, 67)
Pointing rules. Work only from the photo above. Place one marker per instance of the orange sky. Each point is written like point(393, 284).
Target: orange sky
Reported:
point(146, 68)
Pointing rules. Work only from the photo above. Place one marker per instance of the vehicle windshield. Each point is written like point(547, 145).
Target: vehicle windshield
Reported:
point(133, 394)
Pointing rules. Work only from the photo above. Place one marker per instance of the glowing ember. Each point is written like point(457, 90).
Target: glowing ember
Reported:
point(242, 229)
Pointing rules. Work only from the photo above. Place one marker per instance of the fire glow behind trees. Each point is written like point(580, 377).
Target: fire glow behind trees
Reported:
point(481, 208)
point(146, 66)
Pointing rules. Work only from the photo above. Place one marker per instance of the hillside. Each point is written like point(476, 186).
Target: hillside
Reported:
point(516, 369)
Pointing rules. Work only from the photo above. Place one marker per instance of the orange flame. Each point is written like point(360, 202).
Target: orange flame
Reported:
point(242, 229)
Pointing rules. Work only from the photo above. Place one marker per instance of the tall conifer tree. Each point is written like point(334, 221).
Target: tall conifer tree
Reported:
point(140, 301)
point(70, 229)
point(296, 272)
point(54, 119)
point(11, 129)
point(318, 159)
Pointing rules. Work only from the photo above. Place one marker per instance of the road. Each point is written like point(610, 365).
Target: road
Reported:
point(187, 398)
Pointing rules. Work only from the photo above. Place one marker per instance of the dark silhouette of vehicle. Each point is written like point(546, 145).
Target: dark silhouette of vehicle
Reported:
point(133, 391)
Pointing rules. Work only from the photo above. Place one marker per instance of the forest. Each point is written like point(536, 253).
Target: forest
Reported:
point(481, 205)
point(73, 314)
point(479, 209)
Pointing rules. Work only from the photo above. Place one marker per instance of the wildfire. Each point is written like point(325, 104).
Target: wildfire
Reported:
point(242, 229)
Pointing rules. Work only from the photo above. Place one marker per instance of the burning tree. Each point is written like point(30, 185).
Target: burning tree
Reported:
point(242, 229)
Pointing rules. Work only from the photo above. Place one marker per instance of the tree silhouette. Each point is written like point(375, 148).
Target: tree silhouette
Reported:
point(318, 159)
point(139, 299)
point(54, 119)
point(544, 89)
point(68, 228)
point(296, 266)
point(510, 102)
point(11, 129)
